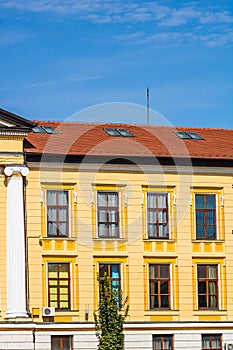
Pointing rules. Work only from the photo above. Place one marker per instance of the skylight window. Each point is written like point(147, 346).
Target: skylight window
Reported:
point(38, 130)
point(118, 132)
point(183, 135)
point(112, 132)
point(49, 130)
point(188, 135)
point(44, 130)
point(125, 133)
point(195, 136)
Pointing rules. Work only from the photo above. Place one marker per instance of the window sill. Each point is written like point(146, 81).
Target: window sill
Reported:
point(60, 238)
point(207, 240)
point(110, 239)
point(164, 312)
point(209, 312)
point(158, 240)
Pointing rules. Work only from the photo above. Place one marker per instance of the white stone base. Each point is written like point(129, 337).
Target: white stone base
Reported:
point(138, 336)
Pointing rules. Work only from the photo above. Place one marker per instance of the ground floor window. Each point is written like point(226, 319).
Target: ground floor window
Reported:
point(211, 341)
point(61, 342)
point(163, 342)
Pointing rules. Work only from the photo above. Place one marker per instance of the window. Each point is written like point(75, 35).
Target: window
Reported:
point(188, 135)
point(57, 213)
point(163, 342)
point(59, 285)
point(108, 214)
point(213, 341)
point(114, 274)
point(159, 286)
point(118, 132)
point(59, 342)
point(44, 130)
point(157, 215)
point(205, 205)
point(207, 276)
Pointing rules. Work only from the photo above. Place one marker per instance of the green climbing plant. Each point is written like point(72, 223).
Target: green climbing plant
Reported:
point(110, 317)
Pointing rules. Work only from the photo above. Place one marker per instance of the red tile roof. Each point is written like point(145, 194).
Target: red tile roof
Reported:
point(161, 141)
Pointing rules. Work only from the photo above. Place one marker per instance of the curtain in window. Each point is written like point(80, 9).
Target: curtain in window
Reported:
point(62, 198)
point(162, 200)
point(102, 230)
point(51, 197)
point(212, 271)
point(102, 215)
point(157, 343)
point(211, 341)
point(62, 218)
point(102, 199)
point(112, 199)
point(212, 286)
point(216, 342)
point(151, 223)
point(162, 221)
point(167, 342)
point(113, 230)
point(52, 217)
point(113, 216)
point(206, 342)
point(151, 200)
point(162, 343)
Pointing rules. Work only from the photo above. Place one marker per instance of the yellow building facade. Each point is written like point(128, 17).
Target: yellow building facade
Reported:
point(152, 207)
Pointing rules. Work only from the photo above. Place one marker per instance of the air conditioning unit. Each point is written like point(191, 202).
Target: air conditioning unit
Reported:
point(48, 311)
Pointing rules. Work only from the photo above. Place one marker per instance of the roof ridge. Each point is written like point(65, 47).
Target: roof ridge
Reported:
point(41, 122)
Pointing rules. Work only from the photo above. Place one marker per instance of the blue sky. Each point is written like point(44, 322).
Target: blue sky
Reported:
point(58, 57)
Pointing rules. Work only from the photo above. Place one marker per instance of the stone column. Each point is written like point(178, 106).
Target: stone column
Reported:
point(15, 242)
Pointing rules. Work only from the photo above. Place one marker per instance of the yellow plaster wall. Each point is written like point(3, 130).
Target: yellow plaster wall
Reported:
point(133, 250)
point(10, 144)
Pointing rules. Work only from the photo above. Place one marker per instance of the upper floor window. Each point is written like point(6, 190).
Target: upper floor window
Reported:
point(59, 285)
point(157, 215)
point(108, 214)
point(61, 342)
point(211, 341)
point(163, 342)
point(57, 213)
point(113, 271)
point(205, 205)
point(159, 286)
point(207, 276)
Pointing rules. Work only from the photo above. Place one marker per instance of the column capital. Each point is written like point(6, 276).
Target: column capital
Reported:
point(16, 169)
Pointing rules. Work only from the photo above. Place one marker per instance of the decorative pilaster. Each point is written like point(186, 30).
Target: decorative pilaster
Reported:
point(15, 242)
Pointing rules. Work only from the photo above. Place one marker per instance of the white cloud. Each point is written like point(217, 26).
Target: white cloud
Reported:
point(161, 19)
point(180, 16)
point(218, 17)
